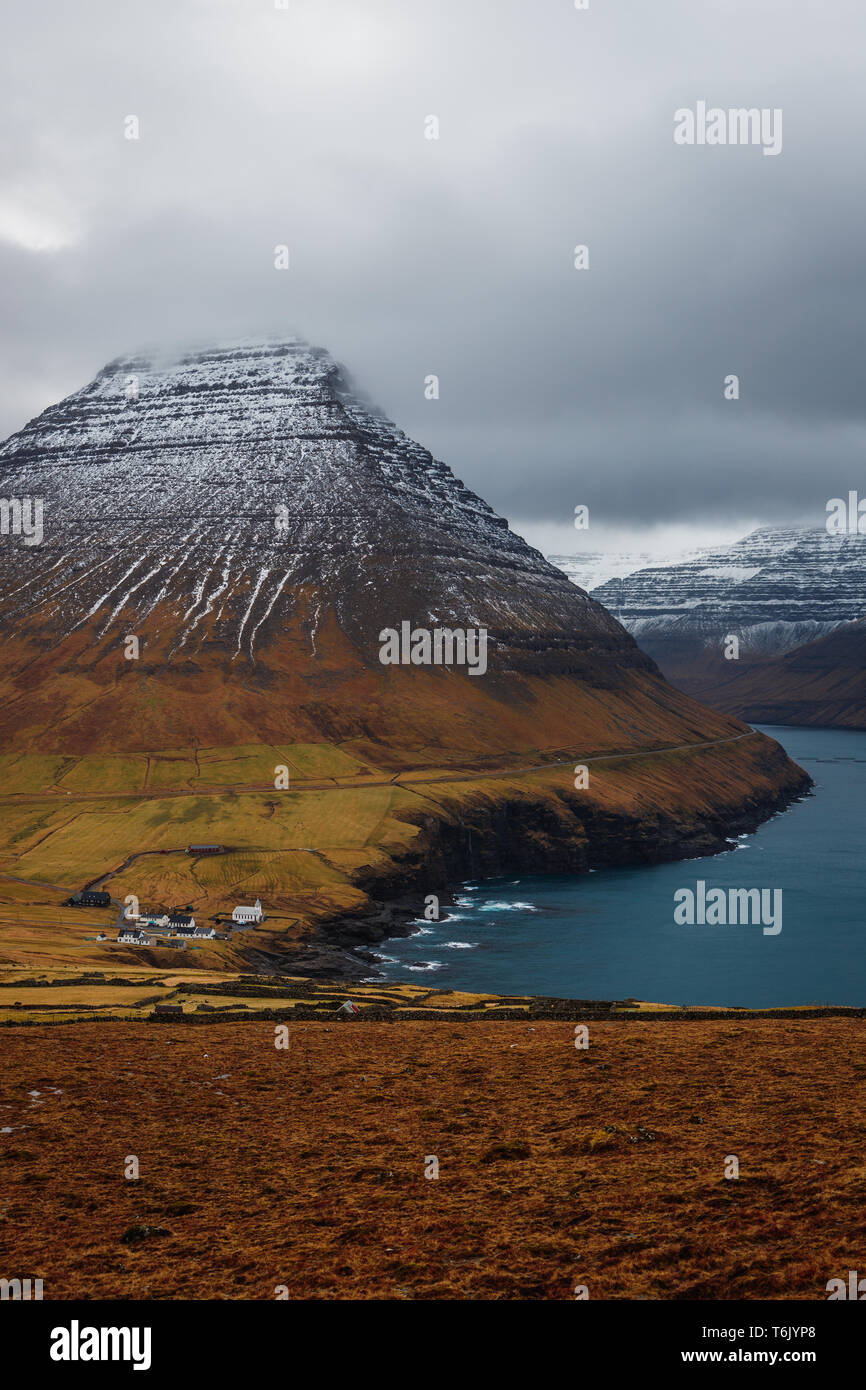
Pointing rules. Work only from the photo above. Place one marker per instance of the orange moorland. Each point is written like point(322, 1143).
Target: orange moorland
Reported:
point(302, 1171)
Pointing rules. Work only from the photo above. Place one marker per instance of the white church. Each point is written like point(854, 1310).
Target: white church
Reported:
point(246, 916)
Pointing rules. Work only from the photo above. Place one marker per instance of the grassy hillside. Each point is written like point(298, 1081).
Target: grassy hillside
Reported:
point(342, 834)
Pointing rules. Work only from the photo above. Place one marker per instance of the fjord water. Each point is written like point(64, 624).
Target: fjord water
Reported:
point(610, 934)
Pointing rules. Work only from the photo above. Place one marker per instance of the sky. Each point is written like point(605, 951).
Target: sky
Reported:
point(305, 127)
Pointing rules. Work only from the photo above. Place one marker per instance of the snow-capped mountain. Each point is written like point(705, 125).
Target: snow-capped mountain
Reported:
point(255, 524)
point(216, 488)
point(592, 568)
point(775, 590)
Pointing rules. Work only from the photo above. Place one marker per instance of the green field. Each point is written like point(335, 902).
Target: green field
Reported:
point(179, 769)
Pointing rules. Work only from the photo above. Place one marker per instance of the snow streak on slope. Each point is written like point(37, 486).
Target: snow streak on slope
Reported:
point(776, 589)
point(224, 495)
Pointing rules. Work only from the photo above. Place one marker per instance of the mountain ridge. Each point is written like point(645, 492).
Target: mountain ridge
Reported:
point(243, 510)
point(780, 591)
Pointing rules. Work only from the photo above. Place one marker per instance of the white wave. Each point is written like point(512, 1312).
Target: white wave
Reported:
point(460, 945)
point(507, 907)
point(426, 965)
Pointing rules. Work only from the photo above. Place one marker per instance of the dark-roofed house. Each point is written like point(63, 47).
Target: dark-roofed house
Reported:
point(204, 849)
point(91, 897)
point(155, 921)
point(133, 936)
point(176, 920)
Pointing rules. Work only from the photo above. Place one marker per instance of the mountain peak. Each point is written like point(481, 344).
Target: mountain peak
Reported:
point(229, 502)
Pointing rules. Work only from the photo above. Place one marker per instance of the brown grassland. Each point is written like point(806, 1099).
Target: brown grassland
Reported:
point(304, 1168)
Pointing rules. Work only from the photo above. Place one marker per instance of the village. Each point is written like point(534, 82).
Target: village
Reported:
point(174, 926)
point(150, 929)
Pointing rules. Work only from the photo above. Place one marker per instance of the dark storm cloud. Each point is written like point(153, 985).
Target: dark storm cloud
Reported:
point(408, 257)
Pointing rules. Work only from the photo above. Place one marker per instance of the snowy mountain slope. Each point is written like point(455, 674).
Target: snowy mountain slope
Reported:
point(254, 523)
point(590, 569)
point(214, 488)
point(776, 590)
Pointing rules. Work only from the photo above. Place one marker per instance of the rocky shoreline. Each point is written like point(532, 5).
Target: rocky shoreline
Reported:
point(554, 833)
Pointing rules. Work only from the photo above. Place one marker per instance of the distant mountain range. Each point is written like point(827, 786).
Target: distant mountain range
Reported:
point(592, 568)
point(821, 683)
point(791, 597)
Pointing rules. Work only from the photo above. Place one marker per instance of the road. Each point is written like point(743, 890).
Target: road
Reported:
point(407, 780)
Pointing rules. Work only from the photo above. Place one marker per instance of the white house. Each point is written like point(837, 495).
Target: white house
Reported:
point(145, 919)
point(155, 922)
point(134, 937)
point(177, 920)
point(243, 916)
point(188, 928)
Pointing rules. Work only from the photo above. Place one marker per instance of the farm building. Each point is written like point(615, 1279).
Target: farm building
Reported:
point(204, 849)
point(90, 897)
point(244, 916)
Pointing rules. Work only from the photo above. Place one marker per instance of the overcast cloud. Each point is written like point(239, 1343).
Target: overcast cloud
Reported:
point(305, 126)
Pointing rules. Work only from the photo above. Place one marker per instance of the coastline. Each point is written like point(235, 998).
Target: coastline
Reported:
point(521, 836)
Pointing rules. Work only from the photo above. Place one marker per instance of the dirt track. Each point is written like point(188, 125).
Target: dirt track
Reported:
point(407, 779)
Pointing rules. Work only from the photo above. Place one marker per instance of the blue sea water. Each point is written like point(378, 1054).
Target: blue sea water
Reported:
point(611, 934)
